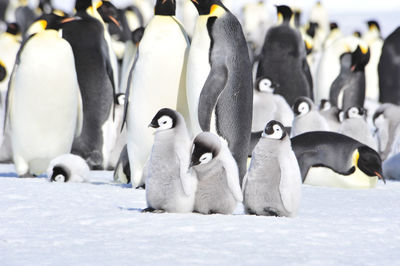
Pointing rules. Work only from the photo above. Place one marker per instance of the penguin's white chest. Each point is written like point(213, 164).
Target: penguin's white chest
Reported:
point(198, 69)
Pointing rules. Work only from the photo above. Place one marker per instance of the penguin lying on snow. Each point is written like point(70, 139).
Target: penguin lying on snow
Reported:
point(335, 160)
point(68, 168)
point(218, 189)
point(272, 185)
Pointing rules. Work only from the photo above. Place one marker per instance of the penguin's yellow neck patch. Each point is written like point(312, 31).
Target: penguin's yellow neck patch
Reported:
point(280, 18)
point(98, 4)
point(356, 156)
point(37, 26)
point(217, 11)
point(2, 64)
point(364, 49)
point(59, 13)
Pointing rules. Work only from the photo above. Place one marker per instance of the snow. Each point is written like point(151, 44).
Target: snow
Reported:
point(100, 223)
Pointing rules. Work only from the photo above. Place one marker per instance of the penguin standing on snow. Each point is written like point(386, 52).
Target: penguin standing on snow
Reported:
point(170, 186)
point(45, 70)
point(284, 55)
point(219, 79)
point(157, 81)
point(272, 186)
point(218, 190)
point(335, 160)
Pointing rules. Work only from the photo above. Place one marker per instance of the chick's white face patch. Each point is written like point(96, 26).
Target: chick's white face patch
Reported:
point(206, 158)
point(277, 134)
point(266, 86)
point(303, 108)
point(165, 122)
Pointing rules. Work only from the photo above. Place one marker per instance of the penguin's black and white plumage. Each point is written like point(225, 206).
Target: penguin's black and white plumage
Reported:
point(45, 69)
point(219, 79)
point(389, 69)
point(331, 114)
point(170, 186)
point(122, 172)
point(341, 79)
point(96, 81)
point(68, 168)
point(335, 160)
point(351, 90)
point(283, 56)
point(272, 185)
point(218, 189)
point(157, 81)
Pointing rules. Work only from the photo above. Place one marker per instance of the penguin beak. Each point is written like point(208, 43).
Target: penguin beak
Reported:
point(195, 1)
point(380, 176)
point(152, 125)
point(114, 20)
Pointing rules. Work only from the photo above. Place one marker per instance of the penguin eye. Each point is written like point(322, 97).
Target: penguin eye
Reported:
point(205, 158)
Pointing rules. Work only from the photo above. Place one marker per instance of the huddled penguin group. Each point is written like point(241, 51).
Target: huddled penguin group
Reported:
point(205, 114)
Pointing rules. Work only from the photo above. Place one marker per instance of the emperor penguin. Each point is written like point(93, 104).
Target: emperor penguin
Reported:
point(219, 79)
point(331, 114)
point(170, 186)
point(307, 118)
point(157, 81)
point(218, 189)
point(68, 168)
point(335, 160)
point(269, 106)
point(122, 172)
point(374, 40)
point(283, 55)
point(45, 70)
point(341, 79)
point(272, 185)
point(355, 125)
point(388, 69)
point(86, 36)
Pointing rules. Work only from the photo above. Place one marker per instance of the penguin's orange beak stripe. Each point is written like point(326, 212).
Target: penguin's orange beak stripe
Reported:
point(114, 20)
point(380, 177)
point(68, 20)
point(195, 1)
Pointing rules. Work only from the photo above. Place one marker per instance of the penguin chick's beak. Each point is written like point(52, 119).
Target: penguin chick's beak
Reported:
point(153, 125)
point(380, 176)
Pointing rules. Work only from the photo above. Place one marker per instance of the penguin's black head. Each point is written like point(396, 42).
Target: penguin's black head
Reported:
point(108, 12)
point(302, 106)
point(369, 162)
point(206, 146)
point(13, 28)
point(165, 8)
point(54, 19)
point(204, 7)
point(274, 130)
point(312, 28)
point(120, 99)
point(360, 58)
point(165, 119)
point(333, 26)
point(264, 84)
point(297, 17)
point(357, 34)
point(284, 13)
point(3, 71)
point(355, 112)
point(373, 24)
point(82, 5)
point(325, 105)
point(59, 175)
point(137, 35)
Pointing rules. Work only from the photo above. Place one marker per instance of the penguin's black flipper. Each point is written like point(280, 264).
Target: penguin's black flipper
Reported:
point(111, 76)
point(127, 90)
point(254, 138)
point(307, 73)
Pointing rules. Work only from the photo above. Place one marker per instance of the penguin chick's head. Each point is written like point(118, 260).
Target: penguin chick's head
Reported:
point(165, 119)
point(274, 130)
point(368, 161)
point(206, 7)
point(120, 99)
point(59, 174)
point(333, 26)
point(355, 112)
point(206, 146)
point(108, 12)
point(265, 85)
point(165, 8)
point(360, 58)
point(325, 105)
point(302, 106)
point(284, 13)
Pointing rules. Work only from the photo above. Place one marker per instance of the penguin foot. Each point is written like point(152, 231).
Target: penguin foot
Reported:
point(250, 211)
point(270, 212)
point(152, 210)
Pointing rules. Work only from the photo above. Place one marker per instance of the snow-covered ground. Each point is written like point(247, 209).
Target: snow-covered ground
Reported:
point(100, 223)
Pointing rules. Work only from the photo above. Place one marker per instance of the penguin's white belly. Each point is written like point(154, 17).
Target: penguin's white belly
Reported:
point(9, 48)
point(198, 69)
point(44, 104)
point(322, 176)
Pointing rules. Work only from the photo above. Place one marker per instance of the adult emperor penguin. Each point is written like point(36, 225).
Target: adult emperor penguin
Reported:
point(388, 69)
point(219, 79)
point(269, 106)
point(355, 125)
point(341, 79)
point(283, 55)
point(96, 81)
point(68, 168)
point(331, 114)
point(122, 172)
point(335, 160)
point(272, 185)
point(157, 81)
point(218, 190)
point(170, 186)
point(45, 70)
point(307, 118)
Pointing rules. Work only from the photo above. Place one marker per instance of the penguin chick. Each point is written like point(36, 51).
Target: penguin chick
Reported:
point(272, 185)
point(269, 106)
point(68, 168)
point(169, 185)
point(307, 118)
point(331, 114)
point(355, 126)
point(218, 190)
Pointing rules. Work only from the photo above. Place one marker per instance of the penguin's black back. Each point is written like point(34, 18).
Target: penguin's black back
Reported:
point(283, 59)
point(389, 69)
point(340, 81)
point(324, 148)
